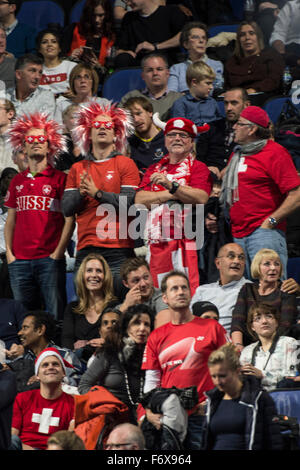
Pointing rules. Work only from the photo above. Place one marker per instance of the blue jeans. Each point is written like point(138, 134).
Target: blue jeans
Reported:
point(40, 279)
point(194, 437)
point(273, 239)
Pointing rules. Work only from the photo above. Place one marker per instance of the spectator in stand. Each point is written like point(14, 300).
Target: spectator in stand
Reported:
point(8, 392)
point(7, 113)
point(36, 232)
point(20, 36)
point(272, 357)
point(117, 366)
point(12, 314)
point(102, 178)
point(197, 105)
point(240, 416)
point(266, 14)
point(7, 63)
point(56, 70)
point(147, 145)
point(91, 39)
point(73, 155)
point(252, 66)
point(84, 84)
point(39, 413)
point(266, 269)
point(65, 440)
point(155, 72)
point(27, 96)
point(193, 38)
point(205, 310)
point(149, 27)
point(81, 322)
point(125, 436)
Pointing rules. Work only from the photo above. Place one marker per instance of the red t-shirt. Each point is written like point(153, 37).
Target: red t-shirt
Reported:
point(180, 353)
point(109, 175)
point(39, 220)
point(37, 418)
point(264, 180)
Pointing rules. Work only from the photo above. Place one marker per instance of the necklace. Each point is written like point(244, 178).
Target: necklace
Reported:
point(128, 388)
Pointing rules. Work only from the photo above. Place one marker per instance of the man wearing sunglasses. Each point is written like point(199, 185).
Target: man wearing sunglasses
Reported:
point(36, 232)
point(260, 188)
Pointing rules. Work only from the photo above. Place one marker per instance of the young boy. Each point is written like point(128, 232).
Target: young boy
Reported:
point(197, 105)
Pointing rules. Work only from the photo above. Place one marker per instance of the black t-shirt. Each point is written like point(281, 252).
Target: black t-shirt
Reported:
point(227, 426)
point(164, 23)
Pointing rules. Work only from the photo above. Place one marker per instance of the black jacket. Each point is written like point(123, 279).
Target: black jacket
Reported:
point(261, 432)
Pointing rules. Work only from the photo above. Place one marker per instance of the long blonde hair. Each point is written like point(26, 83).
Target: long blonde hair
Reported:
point(82, 291)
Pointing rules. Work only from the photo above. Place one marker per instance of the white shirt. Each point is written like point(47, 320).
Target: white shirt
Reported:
point(56, 78)
point(224, 297)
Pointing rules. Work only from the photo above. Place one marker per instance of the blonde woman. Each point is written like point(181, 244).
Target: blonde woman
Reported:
point(239, 413)
point(94, 288)
point(266, 270)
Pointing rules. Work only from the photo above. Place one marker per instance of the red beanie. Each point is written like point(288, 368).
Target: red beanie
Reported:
point(256, 115)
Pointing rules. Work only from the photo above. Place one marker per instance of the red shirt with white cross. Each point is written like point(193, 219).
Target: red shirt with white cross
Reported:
point(37, 418)
point(39, 219)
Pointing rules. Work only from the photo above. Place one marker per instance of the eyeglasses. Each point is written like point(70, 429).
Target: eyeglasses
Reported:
point(172, 135)
point(39, 138)
point(116, 446)
point(265, 316)
point(241, 124)
point(83, 77)
point(105, 124)
point(232, 256)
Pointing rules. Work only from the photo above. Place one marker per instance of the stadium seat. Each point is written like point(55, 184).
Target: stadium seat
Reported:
point(287, 402)
point(39, 13)
point(293, 268)
point(76, 11)
point(273, 106)
point(222, 28)
point(120, 82)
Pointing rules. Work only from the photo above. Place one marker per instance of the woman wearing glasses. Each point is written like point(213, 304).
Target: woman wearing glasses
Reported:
point(266, 269)
point(272, 357)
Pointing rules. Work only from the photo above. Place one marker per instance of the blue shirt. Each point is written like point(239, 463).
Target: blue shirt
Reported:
point(177, 79)
point(21, 40)
point(199, 111)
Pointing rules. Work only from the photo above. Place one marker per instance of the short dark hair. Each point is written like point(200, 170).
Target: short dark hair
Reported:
point(134, 310)
point(186, 31)
point(26, 59)
point(173, 273)
point(141, 100)
point(132, 264)
point(243, 91)
point(154, 55)
point(42, 318)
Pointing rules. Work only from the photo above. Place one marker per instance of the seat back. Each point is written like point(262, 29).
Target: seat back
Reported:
point(39, 14)
point(273, 106)
point(287, 401)
point(215, 29)
point(76, 10)
point(120, 82)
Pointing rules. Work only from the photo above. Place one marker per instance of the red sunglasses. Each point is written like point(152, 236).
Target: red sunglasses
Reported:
point(105, 124)
point(40, 138)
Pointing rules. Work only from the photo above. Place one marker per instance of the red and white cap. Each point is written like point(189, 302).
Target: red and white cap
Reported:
point(50, 352)
point(180, 124)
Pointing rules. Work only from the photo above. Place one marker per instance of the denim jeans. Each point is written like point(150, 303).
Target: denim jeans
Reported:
point(114, 257)
point(40, 279)
point(273, 239)
point(194, 438)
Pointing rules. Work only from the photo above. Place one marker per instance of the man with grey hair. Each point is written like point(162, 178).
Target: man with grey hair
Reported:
point(125, 436)
point(7, 113)
point(27, 96)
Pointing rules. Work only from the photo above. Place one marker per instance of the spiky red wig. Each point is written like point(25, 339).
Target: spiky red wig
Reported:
point(22, 124)
point(87, 114)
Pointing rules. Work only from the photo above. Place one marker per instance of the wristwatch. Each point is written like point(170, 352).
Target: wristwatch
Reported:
point(174, 188)
point(273, 221)
point(98, 195)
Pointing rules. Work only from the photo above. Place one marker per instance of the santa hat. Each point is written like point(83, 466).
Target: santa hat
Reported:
point(50, 352)
point(22, 124)
point(180, 124)
point(256, 115)
point(86, 115)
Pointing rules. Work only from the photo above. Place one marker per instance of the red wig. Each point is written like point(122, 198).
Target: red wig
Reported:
point(87, 114)
point(22, 124)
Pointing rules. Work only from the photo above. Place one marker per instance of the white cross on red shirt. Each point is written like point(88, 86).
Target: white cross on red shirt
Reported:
point(45, 420)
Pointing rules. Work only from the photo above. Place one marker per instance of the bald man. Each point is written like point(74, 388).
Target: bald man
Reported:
point(125, 436)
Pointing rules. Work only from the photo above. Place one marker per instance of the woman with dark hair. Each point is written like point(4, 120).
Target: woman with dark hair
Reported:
point(252, 66)
point(82, 318)
point(92, 38)
point(56, 69)
point(117, 365)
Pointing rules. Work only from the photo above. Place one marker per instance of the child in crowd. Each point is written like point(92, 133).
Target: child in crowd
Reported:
point(197, 105)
